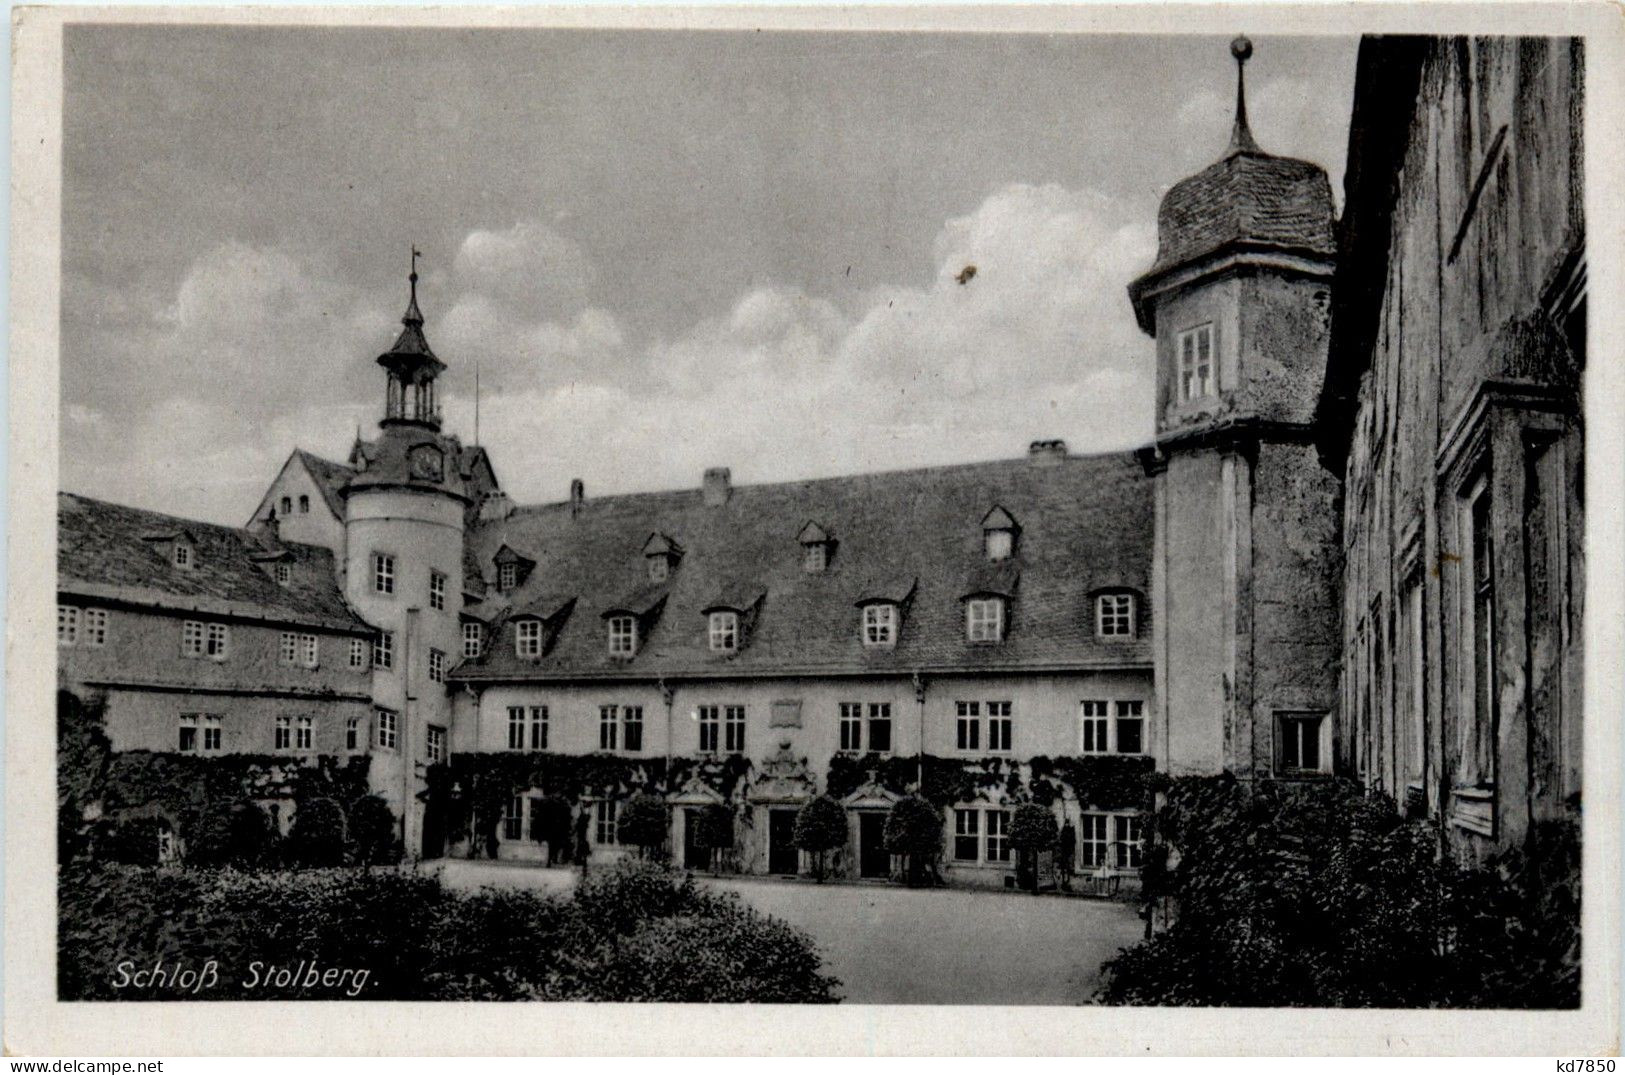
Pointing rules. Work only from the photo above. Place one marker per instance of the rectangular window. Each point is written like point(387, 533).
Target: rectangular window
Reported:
point(358, 654)
point(608, 727)
point(1196, 362)
point(528, 638)
point(507, 575)
point(1415, 688)
point(434, 744)
point(998, 543)
point(217, 642)
point(352, 734)
point(191, 637)
point(879, 625)
point(632, 727)
point(513, 819)
point(284, 574)
point(187, 741)
point(516, 727)
point(211, 733)
point(437, 666)
point(880, 727)
point(437, 590)
point(473, 639)
point(984, 619)
point(813, 558)
point(388, 729)
point(709, 717)
point(1128, 841)
point(383, 650)
point(851, 726)
point(968, 728)
point(383, 573)
point(623, 636)
point(733, 729)
point(308, 650)
point(659, 569)
point(290, 647)
point(304, 733)
point(95, 623)
point(724, 631)
point(1093, 728)
point(1478, 731)
point(183, 555)
point(999, 726)
point(1093, 842)
point(967, 835)
point(282, 736)
point(1130, 728)
point(1114, 615)
point(998, 835)
point(67, 627)
point(604, 811)
point(538, 727)
point(1298, 742)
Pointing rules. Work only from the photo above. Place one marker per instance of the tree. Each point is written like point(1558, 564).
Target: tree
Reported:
point(643, 823)
point(715, 832)
point(914, 830)
point(373, 832)
point(820, 829)
point(319, 835)
point(1032, 831)
point(550, 825)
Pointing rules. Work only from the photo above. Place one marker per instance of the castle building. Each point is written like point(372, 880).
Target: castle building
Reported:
point(1353, 547)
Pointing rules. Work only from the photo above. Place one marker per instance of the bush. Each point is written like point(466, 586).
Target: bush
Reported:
point(643, 824)
point(633, 932)
point(1322, 895)
point(914, 830)
point(319, 835)
point(820, 829)
point(134, 842)
point(238, 835)
point(550, 825)
point(373, 832)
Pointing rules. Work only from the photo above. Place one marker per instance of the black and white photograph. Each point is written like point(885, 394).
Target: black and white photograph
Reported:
point(824, 515)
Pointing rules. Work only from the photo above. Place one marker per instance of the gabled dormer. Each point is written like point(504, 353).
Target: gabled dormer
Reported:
point(730, 620)
point(661, 555)
point(817, 548)
point(178, 547)
point(882, 605)
point(999, 533)
point(535, 626)
point(277, 563)
point(511, 568)
point(627, 623)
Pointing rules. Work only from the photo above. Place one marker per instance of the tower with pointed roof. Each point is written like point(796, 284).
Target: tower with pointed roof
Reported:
point(1246, 558)
point(406, 511)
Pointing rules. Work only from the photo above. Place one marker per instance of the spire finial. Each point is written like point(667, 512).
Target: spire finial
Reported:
point(1241, 136)
point(413, 315)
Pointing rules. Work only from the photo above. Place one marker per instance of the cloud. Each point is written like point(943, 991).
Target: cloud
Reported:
point(784, 384)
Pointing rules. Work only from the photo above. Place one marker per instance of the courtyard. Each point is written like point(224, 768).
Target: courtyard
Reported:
point(894, 945)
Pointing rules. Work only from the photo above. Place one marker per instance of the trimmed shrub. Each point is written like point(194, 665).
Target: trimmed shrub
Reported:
point(715, 832)
point(914, 830)
point(373, 832)
point(236, 835)
point(820, 829)
point(319, 837)
point(642, 824)
point(135, 842)
point(1032, 831)
point(550, 825)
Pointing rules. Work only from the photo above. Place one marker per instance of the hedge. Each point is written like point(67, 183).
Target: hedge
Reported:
point(632, 932)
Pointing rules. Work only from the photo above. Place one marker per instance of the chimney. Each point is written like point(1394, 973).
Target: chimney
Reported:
point(716, 486)
point(495, 507)
point(578, 496)
point(1046, 452)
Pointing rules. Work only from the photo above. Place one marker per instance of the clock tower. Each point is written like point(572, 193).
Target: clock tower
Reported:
point(405, 512)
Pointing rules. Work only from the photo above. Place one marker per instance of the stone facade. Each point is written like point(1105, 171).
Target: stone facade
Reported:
point(1453, 418)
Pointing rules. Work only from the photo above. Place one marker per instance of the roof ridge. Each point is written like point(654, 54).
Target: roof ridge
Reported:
point(249, 536)
point(1123, 455)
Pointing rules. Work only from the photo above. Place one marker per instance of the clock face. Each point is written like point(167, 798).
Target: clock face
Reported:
point(427, 463)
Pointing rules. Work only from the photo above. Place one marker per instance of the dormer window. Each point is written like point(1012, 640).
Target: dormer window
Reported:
point(512, 568)
point(660, 556)
point(724, 631)
point(473, 639)
point(999, 531)
point(183, 556)
point(817, 544)
point(623, 636)
point(1196, 363)
point(527, 638)
point(1114, 615)
point(984, 619)
point(283, 573)
point(507, 576)
point(880, 625)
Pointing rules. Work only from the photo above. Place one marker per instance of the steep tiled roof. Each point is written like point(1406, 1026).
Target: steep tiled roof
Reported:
point(330, 478)
point(1246, 197)
point(119, 553)
point(911, 535)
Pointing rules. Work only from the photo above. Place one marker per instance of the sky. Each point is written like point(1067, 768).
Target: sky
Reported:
point(663, 251)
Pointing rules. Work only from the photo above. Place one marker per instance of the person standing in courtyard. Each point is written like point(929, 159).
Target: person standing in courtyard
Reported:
point(583, 848)
point(1065, 854)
